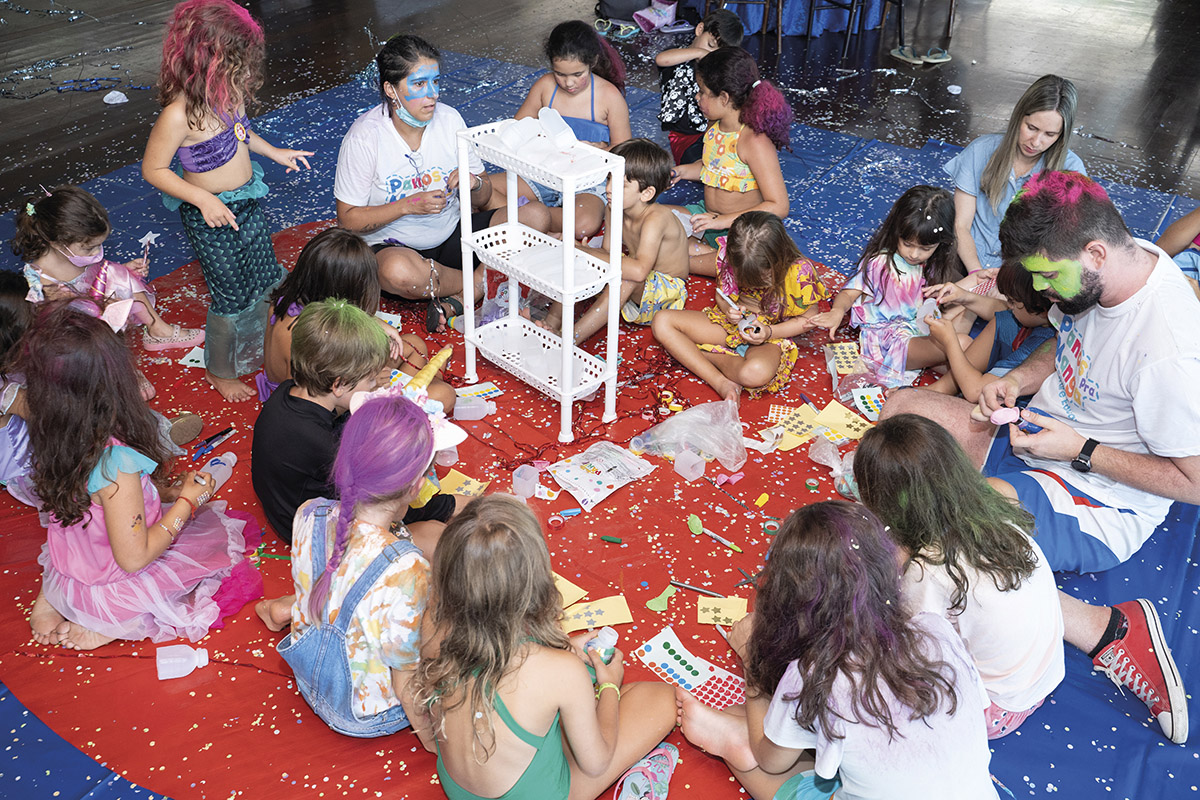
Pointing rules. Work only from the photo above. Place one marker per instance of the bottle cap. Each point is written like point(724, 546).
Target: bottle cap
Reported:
point(201, 657)
point(606, 637)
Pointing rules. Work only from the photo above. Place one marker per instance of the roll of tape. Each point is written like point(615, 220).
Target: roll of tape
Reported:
point(813, 484)
point(556, 521)
point(771, 527)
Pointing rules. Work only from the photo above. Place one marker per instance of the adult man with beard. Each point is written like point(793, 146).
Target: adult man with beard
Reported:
point(1119, 414)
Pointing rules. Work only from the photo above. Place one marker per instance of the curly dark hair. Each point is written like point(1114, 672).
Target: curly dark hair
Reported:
point(829, 599)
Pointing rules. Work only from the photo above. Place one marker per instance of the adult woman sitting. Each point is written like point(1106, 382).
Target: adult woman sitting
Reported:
point(993, 168)
point(397, 182)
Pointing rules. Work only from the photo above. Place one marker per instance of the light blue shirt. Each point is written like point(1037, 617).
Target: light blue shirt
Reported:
point(966, 169)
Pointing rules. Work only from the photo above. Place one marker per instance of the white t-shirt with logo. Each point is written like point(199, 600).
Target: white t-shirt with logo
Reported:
point(376, 166)
point(1129, 377)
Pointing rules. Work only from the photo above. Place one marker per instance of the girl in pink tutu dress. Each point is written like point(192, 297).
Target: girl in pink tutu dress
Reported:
point(119, 562)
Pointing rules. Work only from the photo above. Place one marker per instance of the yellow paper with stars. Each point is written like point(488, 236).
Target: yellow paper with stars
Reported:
point(571, 593)
point(457, 483)
point(606, 611)
point(845, 357)
point(837, 417)
point(720, 610)
point(798, 426)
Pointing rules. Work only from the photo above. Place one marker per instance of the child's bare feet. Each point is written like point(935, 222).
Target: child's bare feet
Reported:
point(44, 620)
point(276, 614)
point(231, 389)
point(77, 637)
point(715, 732)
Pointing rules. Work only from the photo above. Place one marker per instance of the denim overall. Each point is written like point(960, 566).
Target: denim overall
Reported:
point(318, 657)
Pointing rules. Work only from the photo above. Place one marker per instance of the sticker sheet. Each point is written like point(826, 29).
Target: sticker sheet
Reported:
point(720, 610)
point(667, 658)
point(606, 611)
point(597, 472)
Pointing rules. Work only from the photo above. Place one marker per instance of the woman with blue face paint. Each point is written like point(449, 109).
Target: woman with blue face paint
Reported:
point(397, 182)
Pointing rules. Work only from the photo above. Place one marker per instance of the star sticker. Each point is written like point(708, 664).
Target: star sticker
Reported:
point(149, 239)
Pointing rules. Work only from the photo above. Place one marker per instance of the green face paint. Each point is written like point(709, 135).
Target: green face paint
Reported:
point(1063, 278)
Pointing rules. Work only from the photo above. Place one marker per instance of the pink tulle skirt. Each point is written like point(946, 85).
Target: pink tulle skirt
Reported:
point(202, 577)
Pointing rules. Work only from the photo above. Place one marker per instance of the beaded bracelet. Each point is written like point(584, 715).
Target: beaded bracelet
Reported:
point(600, 689)
point(170, 532)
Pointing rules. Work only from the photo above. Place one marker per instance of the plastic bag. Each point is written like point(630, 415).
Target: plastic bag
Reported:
point(711, 429)
point(841, 469)
point(578, 473)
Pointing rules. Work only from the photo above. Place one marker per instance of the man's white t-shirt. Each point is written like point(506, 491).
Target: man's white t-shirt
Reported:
point(1015, 638)
point(942, 755)
point(1128, 376)
point(376, 166)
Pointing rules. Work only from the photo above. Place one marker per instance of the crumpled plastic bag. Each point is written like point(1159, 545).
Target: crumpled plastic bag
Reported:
point(823, 451)
point(711, 429)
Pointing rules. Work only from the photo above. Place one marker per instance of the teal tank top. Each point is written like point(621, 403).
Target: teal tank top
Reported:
point(548, 777)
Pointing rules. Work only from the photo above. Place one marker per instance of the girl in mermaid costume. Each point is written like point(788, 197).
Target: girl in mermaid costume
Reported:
point(211, 67)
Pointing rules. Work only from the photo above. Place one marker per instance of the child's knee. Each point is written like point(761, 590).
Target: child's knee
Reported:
point(444, 393)
point(414, 344)
point(756, 373)
point(662, 322)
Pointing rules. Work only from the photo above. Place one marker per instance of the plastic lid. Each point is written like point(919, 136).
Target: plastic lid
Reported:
point(201, 657)
point(606, 637)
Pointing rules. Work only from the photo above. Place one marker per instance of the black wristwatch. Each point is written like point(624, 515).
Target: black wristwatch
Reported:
point(1083, 461)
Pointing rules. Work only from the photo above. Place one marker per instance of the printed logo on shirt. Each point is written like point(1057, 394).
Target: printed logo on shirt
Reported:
point(400, 186)
point(1072, 363)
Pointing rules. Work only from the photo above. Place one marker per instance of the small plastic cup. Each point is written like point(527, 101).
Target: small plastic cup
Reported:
point(689, 465)
point(525, 480)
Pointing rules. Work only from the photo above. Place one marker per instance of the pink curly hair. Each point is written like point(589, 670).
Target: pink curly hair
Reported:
point(213, 55)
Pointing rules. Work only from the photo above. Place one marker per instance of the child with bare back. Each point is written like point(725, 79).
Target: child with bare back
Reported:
point(654, 264)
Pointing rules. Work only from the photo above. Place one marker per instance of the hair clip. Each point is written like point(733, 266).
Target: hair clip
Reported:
point(44, 189)
point(29, 209)
point(929, 217)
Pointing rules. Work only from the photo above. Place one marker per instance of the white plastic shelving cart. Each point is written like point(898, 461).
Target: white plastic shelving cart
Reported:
point(549, 362)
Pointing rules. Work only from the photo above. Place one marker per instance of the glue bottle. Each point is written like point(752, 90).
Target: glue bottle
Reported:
point(468, 408)
point(603, 644)
point(220, 468)
point(178, 660)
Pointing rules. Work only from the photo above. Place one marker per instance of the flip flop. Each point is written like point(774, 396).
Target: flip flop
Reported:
point(650, 778)
point(436, 312)
point(679, 26)
point(906, 54)
point(936, 55)
point(626, 32)
point(602, 26)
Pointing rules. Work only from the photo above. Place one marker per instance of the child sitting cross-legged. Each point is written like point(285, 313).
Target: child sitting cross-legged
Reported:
point(654, 264)
point(337, 349)
point(1008, 339)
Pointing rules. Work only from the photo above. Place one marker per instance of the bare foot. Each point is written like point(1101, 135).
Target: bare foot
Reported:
point(77, 637)
point(714, 731)
point(276, 614)
point(231, 389)
point(145, 387)
point(44, 620)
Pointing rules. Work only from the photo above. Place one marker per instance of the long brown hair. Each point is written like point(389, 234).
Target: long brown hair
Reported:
point(1048, 93)
point(82, 392)
point(492, 594)
point(829, 599)
point(760, 252)
point(914, 475)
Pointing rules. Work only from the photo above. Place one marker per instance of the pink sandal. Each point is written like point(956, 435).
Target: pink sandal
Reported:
point(179, 338)
point(650, 778)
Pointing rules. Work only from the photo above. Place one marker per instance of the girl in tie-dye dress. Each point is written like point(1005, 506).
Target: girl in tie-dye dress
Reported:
point(913, 249)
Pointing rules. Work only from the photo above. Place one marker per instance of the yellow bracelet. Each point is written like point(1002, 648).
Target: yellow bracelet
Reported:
point(600, 689)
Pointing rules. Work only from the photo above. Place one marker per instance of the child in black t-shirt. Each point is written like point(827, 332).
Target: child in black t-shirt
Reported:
point(679, 113)
point(337, 349)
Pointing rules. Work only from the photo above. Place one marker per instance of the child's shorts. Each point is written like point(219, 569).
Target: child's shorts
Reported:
point(553, 197)
point(808, 785)
point(659, 291)
point(710, 236)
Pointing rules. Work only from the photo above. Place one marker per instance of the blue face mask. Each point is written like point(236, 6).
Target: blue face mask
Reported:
point(409, 119)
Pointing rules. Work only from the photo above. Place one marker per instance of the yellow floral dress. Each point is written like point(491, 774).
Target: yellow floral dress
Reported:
point(802, 290)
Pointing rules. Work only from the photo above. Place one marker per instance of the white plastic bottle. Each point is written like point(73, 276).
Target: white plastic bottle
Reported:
point(220, 468)
point(177, 660)
point(603, 644)
point(468, 408)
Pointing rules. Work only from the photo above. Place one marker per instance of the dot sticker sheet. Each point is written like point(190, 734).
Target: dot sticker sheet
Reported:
point(666, 656)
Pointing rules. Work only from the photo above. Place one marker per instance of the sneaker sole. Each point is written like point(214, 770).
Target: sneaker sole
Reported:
point(1175, 693)
point(185, 428)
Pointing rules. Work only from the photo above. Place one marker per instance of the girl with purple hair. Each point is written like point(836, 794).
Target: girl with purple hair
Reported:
point(361, 575)
point(751, 123)
point(891, 704)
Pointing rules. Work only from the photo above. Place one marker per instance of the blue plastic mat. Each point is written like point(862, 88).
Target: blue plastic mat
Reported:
point(1088, 740)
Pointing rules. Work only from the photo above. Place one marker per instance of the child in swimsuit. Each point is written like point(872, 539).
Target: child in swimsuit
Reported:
point(592, 78)
point(211, 66)
point(503, 684)
point(336, 263)
point(740, 166)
